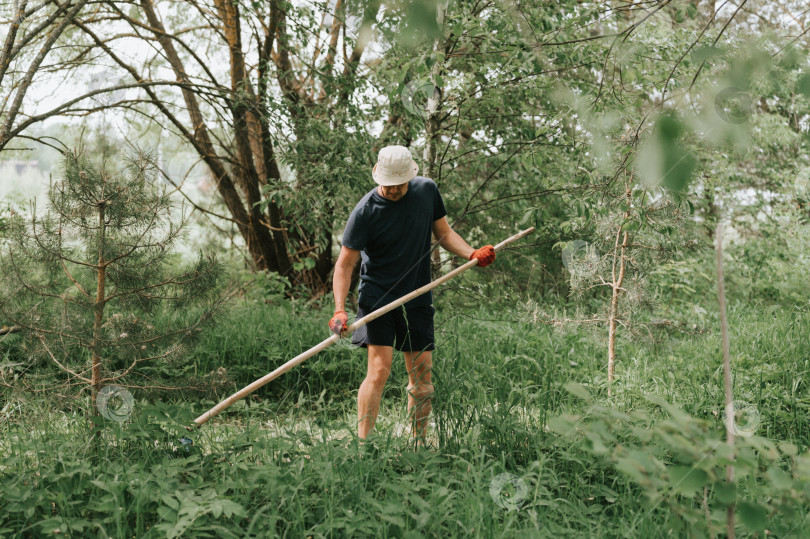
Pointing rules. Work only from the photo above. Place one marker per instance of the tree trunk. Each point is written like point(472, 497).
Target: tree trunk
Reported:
point(99, 312)
point(432, 123)
point(729, 393)
point(246, 174)
point(262, 249)
point(616, 286)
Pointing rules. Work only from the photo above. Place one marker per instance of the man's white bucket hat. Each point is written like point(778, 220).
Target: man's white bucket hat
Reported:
point(395, 166)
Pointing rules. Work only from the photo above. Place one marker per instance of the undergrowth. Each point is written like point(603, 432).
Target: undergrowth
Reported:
point(524, 440)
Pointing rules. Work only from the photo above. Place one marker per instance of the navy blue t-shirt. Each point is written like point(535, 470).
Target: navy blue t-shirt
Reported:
point(394, 239)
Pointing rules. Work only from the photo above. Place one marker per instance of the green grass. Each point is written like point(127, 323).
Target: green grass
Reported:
point(511, 397)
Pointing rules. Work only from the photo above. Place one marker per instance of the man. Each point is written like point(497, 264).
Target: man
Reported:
point(390, 230)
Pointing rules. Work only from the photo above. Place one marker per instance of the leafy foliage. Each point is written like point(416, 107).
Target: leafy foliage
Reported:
point(680, 462)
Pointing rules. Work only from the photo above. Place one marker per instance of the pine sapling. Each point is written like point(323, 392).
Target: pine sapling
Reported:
point(92, 284)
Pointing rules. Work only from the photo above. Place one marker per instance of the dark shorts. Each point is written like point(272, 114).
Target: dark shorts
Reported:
point(408, 330)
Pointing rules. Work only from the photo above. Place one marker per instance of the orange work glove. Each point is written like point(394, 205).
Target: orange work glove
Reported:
point(485, 255)
point(338, 322)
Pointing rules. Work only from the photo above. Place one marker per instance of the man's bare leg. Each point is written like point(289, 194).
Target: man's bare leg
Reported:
point(420, 391)
point(368, 398)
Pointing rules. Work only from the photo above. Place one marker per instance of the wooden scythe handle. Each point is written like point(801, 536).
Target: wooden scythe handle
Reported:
point(247, 390)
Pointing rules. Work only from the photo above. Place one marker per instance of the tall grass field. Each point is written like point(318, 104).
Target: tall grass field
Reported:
point(523, 439)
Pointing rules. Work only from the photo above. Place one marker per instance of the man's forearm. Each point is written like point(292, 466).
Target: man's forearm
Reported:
point(455, 244)
point(340, 286)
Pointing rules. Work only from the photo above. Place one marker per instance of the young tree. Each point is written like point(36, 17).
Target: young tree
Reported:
point(627, 229)
point(86, 282)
